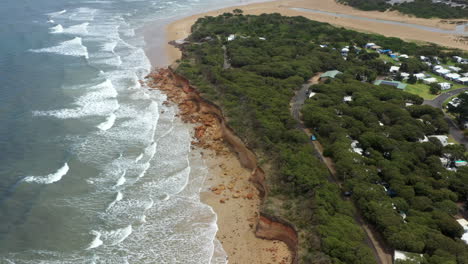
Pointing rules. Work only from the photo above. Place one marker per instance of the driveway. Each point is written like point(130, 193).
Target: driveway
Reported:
point(454, 130)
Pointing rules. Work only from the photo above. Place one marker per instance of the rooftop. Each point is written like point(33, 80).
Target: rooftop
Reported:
point(396, 84)
point(330, 74)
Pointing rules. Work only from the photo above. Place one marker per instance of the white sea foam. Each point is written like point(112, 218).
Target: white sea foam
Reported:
point(110, 120)
point(51, 21)
point(83, 14)
point(51, 178)
point(73, 47)
point(54, 14)
point(56, 29)
point(122, 179)
point(96, 241)
point(139, 158)
point(118, 197)
point(80, 29)
point(99, 100)
point(149, 204)
point(119, 235)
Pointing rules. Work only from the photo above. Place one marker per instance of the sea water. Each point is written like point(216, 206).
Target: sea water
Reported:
point(93, 167)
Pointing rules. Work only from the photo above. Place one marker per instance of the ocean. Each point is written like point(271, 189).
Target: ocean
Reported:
point(93, 167)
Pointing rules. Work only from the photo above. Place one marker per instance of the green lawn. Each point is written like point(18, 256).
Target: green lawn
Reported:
point(387, 58)
point(422, 89)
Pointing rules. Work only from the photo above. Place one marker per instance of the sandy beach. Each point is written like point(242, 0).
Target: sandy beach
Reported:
point(229, 189)
point(180, 29)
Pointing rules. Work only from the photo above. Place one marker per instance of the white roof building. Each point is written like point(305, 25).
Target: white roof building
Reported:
point(312, 94)
point(394, 69)
point(402, 255)
point(423, 58)
point(437, 67)
point(442, 71)
point(464, 224)
point(445, 86)
point(405, 75)
point(355, 148)
point(455, 69)
point(420, 76)
point(404, 56)
point(452, 76)
point(429, 80)
point(425, 139)
point(463, 80)
point(231, 37)
point(442, 138)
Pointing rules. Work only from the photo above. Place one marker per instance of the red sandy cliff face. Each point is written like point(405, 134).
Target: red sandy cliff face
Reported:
point(212, 132)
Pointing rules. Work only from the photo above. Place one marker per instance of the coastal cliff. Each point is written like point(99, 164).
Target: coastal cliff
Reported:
point(212, 132)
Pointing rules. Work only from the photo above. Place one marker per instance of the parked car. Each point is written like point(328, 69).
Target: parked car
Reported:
point(313, 138)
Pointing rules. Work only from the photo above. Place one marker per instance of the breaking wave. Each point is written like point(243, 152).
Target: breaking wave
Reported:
point(51, 178)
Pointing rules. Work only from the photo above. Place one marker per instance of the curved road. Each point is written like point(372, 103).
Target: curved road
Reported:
point(454, 130)
point(383, 255)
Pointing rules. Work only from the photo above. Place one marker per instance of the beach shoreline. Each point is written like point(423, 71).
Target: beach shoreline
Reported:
point(234, 187)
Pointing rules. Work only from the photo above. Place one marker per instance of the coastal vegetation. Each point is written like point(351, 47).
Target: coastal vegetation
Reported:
point(398, 183)
point(418, 8)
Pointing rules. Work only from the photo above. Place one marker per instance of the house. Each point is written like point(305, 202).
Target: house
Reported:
point(454, 69)
point(437, 67)
point(464, 74)
point(312, 94)
point(231, 37)
point(458, 59)
point(424, 58)
point(429, 80)
point(442, 71)
point(368, 45)
point(463, 80)
point(396, 84)
point(394, 69)
point(344, 51)
point(347, 99)
point(442, 138)
point(262, 38)
point(420, 75)
point(375, 47)
point(425, 139)
point(445, 86)
point(323, 45)
point(355, 148)
point(404, 56)
point(403, 256)
point(329, 74)
point(452, 76)
point(445, 162)
point(455, 102)
point(405, 75)
point(464, 224)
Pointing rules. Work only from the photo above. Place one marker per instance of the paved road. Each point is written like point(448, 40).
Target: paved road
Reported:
point(439, 100)
point(382, 254)
point(454, 130)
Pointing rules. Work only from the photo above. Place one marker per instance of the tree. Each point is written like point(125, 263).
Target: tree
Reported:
point(434, 88)
point(412, 79)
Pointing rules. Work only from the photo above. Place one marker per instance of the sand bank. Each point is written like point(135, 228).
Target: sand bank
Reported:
point(180, 29)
